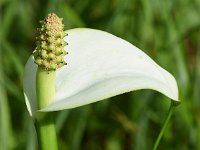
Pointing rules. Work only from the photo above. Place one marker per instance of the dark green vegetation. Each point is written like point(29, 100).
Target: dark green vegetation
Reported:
point(167, 30)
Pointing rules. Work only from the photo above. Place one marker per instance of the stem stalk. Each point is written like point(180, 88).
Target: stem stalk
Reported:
point(169, 114)
point(45, 125)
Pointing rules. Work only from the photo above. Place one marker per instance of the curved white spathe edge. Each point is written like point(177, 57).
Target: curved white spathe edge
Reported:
point(100, 65)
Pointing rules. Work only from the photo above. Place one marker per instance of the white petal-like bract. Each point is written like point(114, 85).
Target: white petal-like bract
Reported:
point(99, 65)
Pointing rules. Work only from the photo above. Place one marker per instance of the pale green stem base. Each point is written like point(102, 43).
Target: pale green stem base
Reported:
point(45, 126)
point(46, 133)
point(170, 112)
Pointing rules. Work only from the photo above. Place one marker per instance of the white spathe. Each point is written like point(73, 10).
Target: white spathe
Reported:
point(100, 65)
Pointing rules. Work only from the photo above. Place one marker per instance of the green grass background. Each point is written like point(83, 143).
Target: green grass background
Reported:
point(167, 30)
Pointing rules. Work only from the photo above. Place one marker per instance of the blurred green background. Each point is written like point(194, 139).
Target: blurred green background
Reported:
point(167, 30)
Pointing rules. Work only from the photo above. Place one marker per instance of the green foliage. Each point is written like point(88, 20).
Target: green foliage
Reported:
point(168, 31)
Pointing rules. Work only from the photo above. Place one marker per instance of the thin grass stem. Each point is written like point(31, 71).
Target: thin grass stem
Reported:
point(169, 114)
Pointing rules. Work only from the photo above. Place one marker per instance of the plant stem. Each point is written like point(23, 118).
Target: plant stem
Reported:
point(45, 126)
point(169, 114)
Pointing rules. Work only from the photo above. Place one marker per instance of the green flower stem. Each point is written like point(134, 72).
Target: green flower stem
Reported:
point(45, 126)
point(170, 112)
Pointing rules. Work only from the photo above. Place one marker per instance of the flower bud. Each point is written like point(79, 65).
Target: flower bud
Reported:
point(50, 40)
point(51, 56)
point(58, 51)
point(48, 33)
point(43, 45)
point(58, 42)
point(38, 61)
point(44, 54)
point(64, 53)
point(64, 43)
point(42, 37)
point(58, 35)
point(53, 66)
point(59, 60)
point(45, 63)
point(51, 48)
point(42, 29)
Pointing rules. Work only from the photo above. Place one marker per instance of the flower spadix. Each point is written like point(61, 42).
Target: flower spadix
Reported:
point(100, 65)
point(50, 44)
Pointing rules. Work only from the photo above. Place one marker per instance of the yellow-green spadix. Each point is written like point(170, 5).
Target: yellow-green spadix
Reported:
point(100, 65)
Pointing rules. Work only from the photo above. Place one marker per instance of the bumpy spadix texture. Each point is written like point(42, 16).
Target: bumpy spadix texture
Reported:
point(50, 44)
point(100, 65)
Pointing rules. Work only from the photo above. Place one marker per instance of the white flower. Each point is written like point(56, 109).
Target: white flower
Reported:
point(100, 65)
